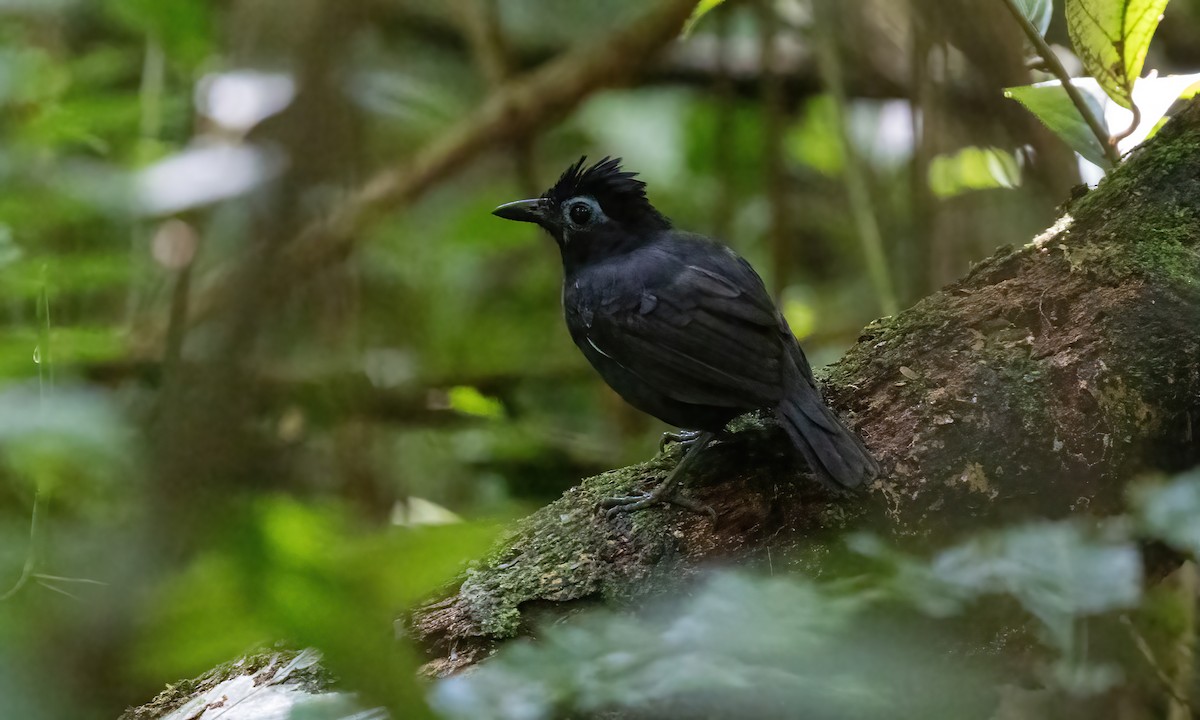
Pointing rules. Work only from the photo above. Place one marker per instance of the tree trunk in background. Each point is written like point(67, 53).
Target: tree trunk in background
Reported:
point(1039, 384)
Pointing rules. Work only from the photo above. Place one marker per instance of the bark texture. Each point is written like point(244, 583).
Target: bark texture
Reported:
point(1041, 383)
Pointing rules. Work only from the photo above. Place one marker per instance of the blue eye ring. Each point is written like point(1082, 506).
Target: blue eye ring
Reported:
point(582, 211)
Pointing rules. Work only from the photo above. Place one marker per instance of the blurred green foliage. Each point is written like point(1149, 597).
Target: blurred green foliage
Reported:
point(174, 495)
point(740, 646)
point(1169, 512)
point(298, 574)
point(973, 169)
point(755, 646)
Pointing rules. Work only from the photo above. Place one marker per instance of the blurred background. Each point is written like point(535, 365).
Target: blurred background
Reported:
point(245, 328)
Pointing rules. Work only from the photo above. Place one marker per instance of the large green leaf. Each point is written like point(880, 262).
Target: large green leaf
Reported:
point(1051, 104)
point(1038, 12)
point(1153, 96)
point(1111, 38)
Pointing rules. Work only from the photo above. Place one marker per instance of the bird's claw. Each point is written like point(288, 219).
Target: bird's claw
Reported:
point(666, 491)
point(686, 437)
point(641, 501)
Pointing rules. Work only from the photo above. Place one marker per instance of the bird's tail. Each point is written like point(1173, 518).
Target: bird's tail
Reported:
point(835, 453)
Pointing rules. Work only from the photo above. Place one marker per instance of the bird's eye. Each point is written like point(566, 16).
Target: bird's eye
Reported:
point(580, 213)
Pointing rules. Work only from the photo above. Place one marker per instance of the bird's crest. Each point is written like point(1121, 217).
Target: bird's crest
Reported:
point(619, 192)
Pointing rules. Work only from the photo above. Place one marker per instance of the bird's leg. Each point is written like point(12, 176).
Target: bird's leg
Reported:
point(683, 436)
point(665, 492)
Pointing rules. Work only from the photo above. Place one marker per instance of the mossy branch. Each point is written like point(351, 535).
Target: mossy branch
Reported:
point(1037, 385)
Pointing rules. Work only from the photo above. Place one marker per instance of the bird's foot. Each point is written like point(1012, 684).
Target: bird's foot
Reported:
point(686, 437)
point(665, 492)
point(641, 501)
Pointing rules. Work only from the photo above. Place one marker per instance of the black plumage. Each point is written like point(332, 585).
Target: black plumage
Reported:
point(678, 324)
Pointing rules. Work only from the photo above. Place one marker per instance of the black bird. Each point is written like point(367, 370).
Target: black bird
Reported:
point(681, 326)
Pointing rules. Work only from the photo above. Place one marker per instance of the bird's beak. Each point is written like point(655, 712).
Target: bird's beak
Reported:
point(521, 210)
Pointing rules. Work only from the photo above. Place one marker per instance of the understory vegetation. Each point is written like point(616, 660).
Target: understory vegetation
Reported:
point(291, 427)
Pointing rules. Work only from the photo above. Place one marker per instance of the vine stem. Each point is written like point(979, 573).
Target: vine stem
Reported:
point(854, 173)
point(27, 571)
point(1056, 68)
point(45, 386)
point(1133, 124)
point(774, 125)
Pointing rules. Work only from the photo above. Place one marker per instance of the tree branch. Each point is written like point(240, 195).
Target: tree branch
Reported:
point(513, 111)
point(1037, 385)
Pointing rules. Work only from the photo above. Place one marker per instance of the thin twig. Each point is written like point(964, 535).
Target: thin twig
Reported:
point(44, 360)
point(480, 24)
point(1186, 585)
point(1057, 69)
point(1148, 655)
point(150, 99)
point(177, 324)
point(484, 29)
point(58, 590)
point(723, 147)
point(923, 116)
point(60, 578)
point(825, 38)
point(31, 553)
point(45, 355)
point(772, 148)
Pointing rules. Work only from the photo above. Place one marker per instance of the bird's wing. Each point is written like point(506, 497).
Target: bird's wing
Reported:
point(705, 336)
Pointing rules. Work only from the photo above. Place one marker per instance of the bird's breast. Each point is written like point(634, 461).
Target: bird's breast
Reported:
point(577, 307)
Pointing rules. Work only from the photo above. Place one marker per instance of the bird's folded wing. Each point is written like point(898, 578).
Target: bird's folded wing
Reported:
point(705, 339)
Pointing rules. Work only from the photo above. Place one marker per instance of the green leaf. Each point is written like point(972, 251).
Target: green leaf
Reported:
point(469, 401)
point(702, 9)
point(1038, 12)
point(973, 168)
point(1111, 38)
point(1153, 95)
point(1049, 102)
